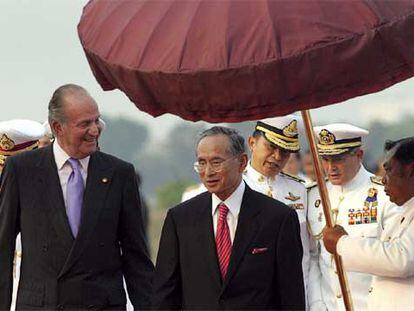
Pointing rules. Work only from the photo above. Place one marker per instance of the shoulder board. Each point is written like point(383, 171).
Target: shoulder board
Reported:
point(192, 187)
point(315, 184)
point(295, 178)
point(377, 180)
point(312, 185)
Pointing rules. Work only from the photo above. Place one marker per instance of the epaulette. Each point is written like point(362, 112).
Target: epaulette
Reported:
point(295, 178)
point(314, 184)
point(376, 180)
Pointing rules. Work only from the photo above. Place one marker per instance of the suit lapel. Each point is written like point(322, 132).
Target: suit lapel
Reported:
point(206, 240)
point(97, 185)
point(247, 227)
point(48, 182)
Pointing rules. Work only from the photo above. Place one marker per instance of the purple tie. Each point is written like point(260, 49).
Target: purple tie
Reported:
point(74, 196)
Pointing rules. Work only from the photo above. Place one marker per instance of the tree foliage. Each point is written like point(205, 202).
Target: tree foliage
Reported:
point(169, 194)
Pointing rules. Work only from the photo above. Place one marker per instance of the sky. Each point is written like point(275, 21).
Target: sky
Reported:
point(40, 50)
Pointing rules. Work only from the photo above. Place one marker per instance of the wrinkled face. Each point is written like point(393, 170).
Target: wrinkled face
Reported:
point(397, 182)
point(340, 169)
point(79, 134)
point(216, 149)
point(267, 159)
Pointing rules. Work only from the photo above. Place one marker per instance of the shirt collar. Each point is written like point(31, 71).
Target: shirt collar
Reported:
point(256, 176)
point(359, 179)
point(233, 202)
point(61, 157)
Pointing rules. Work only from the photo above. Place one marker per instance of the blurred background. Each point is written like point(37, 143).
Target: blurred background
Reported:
point(40, 51)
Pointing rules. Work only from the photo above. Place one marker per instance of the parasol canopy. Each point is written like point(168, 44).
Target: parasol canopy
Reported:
point(235, 60)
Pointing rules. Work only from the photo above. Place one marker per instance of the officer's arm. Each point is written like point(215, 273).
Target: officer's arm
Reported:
point(392, 258)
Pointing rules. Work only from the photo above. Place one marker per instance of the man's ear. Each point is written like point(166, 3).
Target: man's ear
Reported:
point(243, 162)
point(56, 128)
point(360, 154)
point(251, 142)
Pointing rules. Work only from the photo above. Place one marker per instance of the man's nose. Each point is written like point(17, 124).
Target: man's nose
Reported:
point(95, 129)
point(277, 154)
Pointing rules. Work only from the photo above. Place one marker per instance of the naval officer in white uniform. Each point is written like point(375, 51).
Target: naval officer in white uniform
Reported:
point(358, 203)
point(271, 144)
point(391, 257)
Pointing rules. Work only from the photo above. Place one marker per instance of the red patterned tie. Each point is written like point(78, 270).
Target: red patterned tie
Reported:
point(223, 241)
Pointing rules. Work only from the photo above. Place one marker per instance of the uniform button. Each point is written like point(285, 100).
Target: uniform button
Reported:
point(339, 296)
point(60, 307)
point(45, 248)
point(370, 290)
point(101, 244)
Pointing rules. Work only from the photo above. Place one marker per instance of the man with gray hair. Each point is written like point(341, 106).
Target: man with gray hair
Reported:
point(79, 214)
point(230, 247)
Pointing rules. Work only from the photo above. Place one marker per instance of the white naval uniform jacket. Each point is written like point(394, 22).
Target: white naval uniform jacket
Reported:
point(362, 214)
point(390, 258)
point(291, 192)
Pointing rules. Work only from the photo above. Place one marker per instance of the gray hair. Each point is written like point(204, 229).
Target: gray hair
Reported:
point(237, 145)
point(56, 103)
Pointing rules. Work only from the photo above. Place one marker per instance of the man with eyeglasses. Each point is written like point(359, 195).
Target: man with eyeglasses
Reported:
point(231, 247)
point(358, 203)
point(273, 141)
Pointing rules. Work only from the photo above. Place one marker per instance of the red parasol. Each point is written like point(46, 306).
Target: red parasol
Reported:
point(241, 60)
point(237, 60)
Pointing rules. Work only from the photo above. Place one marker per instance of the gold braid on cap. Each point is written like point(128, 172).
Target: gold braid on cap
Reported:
point(286, 138)
point(31, 146)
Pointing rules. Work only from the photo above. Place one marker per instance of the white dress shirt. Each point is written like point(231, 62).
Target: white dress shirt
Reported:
point(64, 168)
point(233, 202)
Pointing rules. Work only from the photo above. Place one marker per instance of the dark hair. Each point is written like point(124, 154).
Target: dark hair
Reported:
point(237, 145)
point(404, 149)
point(257, 133)
point(57, 101)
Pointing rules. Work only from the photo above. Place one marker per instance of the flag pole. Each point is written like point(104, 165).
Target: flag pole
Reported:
point(346, 294)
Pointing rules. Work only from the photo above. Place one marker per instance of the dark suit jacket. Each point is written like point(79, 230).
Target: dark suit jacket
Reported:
point(58, 271)
point(187, 273)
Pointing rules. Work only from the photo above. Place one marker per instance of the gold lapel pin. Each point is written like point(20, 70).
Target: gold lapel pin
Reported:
point(105, 180)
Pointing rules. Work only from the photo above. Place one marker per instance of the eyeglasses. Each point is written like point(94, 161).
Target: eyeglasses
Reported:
point(215, 165)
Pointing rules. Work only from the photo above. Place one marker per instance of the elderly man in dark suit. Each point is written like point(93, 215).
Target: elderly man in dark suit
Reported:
point(79, 215)
point(230, 247)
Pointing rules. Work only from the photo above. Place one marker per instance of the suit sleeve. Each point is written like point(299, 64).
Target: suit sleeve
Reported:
point(392, 258)
point(167, 281)
point(136, 264)
point(9, 228)
point(290, 287)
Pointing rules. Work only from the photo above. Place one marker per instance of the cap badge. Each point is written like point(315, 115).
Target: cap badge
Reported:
point(291, 130)
point(6, 143)
point(326, 137)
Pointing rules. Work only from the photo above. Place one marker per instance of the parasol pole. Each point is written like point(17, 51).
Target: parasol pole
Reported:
point(346, 294)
